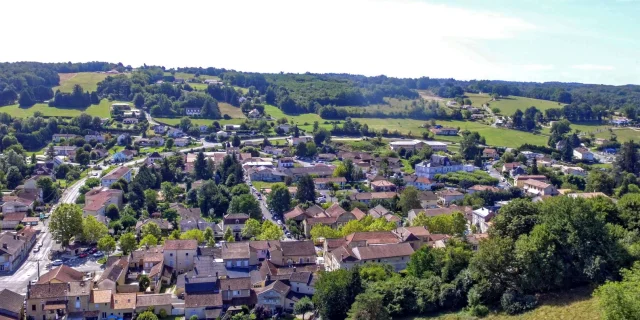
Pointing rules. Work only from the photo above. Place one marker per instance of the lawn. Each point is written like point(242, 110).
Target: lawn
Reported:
point(101, 110)
point(233, 112)
point(509, 105)
point(176, 121)
point(494, 136)
point(623, 134)
point(576, 305)
point(188, 76)
point(88, 81)
point(259, 185)
point(198, 86)
point(304, 121)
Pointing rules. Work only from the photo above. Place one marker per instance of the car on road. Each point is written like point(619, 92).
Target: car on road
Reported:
point(56, 263)
point(83, 255)
point(98, 254)
point(36, 249)
point(93, 250)
point(32, 282)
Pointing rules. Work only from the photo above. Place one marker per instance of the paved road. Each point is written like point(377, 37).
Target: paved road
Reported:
point(495, 174)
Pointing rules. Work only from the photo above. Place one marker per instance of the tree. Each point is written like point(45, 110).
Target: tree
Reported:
point(303, 306)
point(143, 284)
point(148, 240)
point(619, 300)
point(169, 144)
point(66, 223)
point(228, 236)
point(251, 228)
point(49, 189)
point(235, 141)
point(128, 242)
point(409, 199)
point(306, 189)
point(14, 177)
point(93, 230)
point(151, 199)
point(324, 231)
point(321, 136)
point(209, 237)
point(107, 244)
point(516, 218)
point(148, 315)
point(279, 199)
point(270, 231)
point(193, 234)
point(151, 228)
point(138, 100)
point(598, 181)
point(336, 291)
point(629, 206)
point(185, 123)
point(369, 306)
point(200, 166)
point(628, 159)
point(112, 212)
point(301, 149)
point(246, 203)
point(26, 98)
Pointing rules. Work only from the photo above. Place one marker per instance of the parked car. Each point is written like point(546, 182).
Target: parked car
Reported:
point(93, 250)
point(56, 263)
point(98, 254)
point(83, 255)
point(36, 249)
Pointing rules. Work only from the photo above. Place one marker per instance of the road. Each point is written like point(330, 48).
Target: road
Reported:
point(495, 174)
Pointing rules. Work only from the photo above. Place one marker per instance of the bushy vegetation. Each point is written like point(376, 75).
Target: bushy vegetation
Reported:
point(467, 179)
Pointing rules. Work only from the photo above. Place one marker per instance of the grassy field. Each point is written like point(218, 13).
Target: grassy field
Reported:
point(233, 112)
point(577, 305)
point(509, 105)
point(304, 121)
point(101, 110)
point(187, 76)
point(390, 105)
point(199, 86)
point(88, 81)
point(623, 134)
point(176, 121)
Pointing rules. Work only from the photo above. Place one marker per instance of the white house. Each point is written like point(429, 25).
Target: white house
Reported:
point(583, 154)
point(192, 111)
point(113, 176)
point(481, 218)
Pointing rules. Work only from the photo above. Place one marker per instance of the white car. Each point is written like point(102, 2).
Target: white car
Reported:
point(98, 254)
point(56, 263)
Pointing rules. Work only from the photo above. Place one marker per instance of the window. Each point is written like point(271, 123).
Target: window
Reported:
point(104, 315)
point(97, 306)
point(77, 302)
point(33, 307)
point(170, 254)
point(186, 254)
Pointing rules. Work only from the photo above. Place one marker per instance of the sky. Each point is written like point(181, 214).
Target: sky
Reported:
point(544, 40)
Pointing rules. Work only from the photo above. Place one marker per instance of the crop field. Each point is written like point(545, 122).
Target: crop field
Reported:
point(509, 105)
point(88, 81)
point(101, 110)
point(233, 112)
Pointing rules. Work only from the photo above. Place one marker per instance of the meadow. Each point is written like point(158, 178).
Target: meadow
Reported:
point(574, 305)
point(176, 121)
point(509, 105)
point(187, 76)
point(622, 134)
point(101, 110)
point(233, 112)
point(88, 81)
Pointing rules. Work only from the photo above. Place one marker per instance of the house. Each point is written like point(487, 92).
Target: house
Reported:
point(123, 139)
point(53, 301)
point(272, 297)
point(14, 205)
point(231, 127)
point(15, 247)
point(420, 183)
point(175, 133)
point(539, 188)
point(203, 128)
point(319, 170)
point(236, 254)
point(122, 172)
point(478, 188)
point(444, 131)
point(519, 180)
point(95, 137)
point(620, 121)
point(323, 183)
point(159, 128)
point(366, 197)
point(428, 199)
point(574, 170)
point(286, 253)
point(446, 196)
point(583, 154)
point(508, 166)
point(124, 155)
point(561, 144)
point(236, 292)
point(98, 199)
point(179, 254)
point(63, 150)
point(203, 305)
point(382, 212)
point(61, 274)
point(58, 137)
point(265, 174)
point(294, 141)
point(165, 226)
point(235, 222)
point(155, 156)
point(181, 142)
point(530, 155)
point(254, 113)
point(440, 165)
point(481, 218)
point(490, 153)
point(192, 111)
point(286, 162)
point(284, 127)
point(382, 185)
point(155, 302)
point(11, 305)
point(407, 145)
point(397, 255)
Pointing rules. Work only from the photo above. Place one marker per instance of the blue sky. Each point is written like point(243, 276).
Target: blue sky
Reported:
point(560, 40)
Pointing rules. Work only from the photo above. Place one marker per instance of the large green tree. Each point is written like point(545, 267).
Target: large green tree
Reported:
point(409, 199)
point(336, 291)
point(128, 242)
point(93, 230)
point(279, 199)
point(306, 189)
point(66, 223)
point(620, 300)
point(246, 203)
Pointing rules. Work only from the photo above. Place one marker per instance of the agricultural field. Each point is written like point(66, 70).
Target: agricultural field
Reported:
point(391, 105)
point(509, 105)
point(101, 110)
point(233, 112)
point(176, 121)
point(623, 134)
point(186, 76)
point(88, 81)
point(199, 86)
point(304, 121)
point(576, 305)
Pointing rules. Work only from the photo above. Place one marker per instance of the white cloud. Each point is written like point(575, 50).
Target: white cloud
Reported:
point(538, 67)
point(398, 38)
point(590, 67)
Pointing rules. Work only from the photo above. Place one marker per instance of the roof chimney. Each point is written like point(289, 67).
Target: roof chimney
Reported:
point(4, 246)
point(294, 268)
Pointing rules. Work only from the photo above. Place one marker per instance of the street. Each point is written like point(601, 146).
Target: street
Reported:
point(496, 174)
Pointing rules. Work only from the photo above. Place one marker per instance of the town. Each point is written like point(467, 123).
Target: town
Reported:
point(180, 194)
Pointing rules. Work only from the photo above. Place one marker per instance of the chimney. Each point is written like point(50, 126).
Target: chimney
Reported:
point(268, 277)
point(216, 274)
point(4, 246)
point(294, 268)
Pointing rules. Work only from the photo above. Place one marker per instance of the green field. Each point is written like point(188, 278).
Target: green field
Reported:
point(509, 105)
point(623, 134)
point(187, 76)
point(233, 112)
point(199, 86)
point(176, 121)
point(576, 305)
point(88, 81)
point(101, 110)
point(300, 120)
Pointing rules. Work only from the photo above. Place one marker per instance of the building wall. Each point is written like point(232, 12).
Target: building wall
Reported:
point(180, 260)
